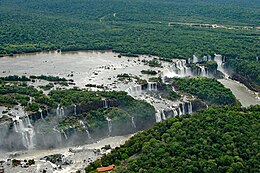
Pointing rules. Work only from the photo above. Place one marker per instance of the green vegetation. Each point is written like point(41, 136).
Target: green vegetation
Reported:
point(19, 93)
point(167, 92)
point(211, 66)
point(124, 75)
point(47, 86)
point(49, 78)
point(125, 107)
point(154, 63)
point(130, 26)
point(134, 27)
point(150, 72)
point(14, 78)
point(94, 86)
point(214, 140)
point(207, 89)
point(249, 68)
point(11, 95)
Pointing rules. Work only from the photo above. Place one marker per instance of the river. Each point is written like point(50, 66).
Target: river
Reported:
point(101, 68)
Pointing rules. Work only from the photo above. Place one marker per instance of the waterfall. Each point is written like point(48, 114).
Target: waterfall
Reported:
point(40, 110)
point(158, 117)
point(205, 58)
point(138, 88)
point(189, 60)
point(134, 89)
point(180, 65)
point(203, 71)
point(173, 89)
point(133, 122)
point(220, 62)
point(105, 105)
point(65, 135)
point(183, 108)
point(109, 124)
point(58, 134)
point(86, 129)
point(89, 137)
point(194, 59)
point(25, 128)
point(152, 86)
point(75, 109)
point(175, 113)
point(163, 115)
point(189, 108)
point(179, 69)
point(58, 110)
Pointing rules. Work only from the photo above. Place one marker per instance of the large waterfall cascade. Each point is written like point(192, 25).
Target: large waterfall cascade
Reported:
point(152, 86)
point(110, 125)
point(135, 89)
point(26, 130)
point(60, 111)
point(138, 89)
point(28, 134)
point(84, 127)
point(158, 116)
point(173, 111)
point(202, 71)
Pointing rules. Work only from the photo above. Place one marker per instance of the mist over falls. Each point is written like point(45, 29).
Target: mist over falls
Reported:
point(41, 130)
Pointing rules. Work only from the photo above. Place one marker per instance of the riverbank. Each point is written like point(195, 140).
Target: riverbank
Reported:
point(79, 156)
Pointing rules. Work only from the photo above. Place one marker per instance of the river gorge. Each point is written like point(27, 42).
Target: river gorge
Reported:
point(101, 71)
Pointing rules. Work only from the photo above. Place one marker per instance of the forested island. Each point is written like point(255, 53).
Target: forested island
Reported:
point(206, 89)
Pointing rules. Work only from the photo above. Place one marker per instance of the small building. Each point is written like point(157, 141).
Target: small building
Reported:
point(106, 169)
point(2, 170)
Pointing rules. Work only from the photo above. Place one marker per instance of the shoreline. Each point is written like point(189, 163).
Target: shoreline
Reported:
point(80, 158)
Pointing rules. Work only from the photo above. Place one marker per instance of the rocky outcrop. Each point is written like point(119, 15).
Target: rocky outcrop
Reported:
point(198, 105)
point(246, 81)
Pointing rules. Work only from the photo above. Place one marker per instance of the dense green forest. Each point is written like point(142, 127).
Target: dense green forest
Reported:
point(214, 140)
point(249, 68)
point(130, 26)
point(208, 90)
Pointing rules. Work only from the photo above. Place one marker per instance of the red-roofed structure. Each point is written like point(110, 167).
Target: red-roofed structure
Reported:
point(106, 169)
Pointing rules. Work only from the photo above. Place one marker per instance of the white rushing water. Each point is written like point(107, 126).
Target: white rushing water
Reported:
point(177, 69)
point(86, 129)
point(110, 126)
point(105, 104)
point(133, 122)
point(152, 86)
point(26, 130)
point(173, 111)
